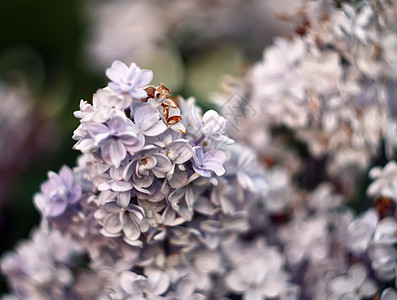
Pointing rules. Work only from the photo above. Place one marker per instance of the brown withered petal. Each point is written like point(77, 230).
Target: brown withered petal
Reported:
point(169, 102)
point(385, 207)
point(173, 120)
point(150, 91)
point(162, 91)
point(166, 112)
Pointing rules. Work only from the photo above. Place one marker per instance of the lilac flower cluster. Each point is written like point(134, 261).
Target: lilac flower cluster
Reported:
point(156, 191)
point(331, 83)
point(163, 205)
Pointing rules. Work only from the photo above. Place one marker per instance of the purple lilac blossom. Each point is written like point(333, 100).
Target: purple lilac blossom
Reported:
point(205, 162)
point(130, 79)
point(115, 139)
point(211, 125)
point(58, 193)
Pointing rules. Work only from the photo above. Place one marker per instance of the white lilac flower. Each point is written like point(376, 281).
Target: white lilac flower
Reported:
point(361, 230)
point(41, 267)
point(329, 84)
point(115, 139)
point(130, 79)
point(179, 151)
point(386, 231)
point(383, 261)
point(205, 162)
point(212, 126)
point(385, 183)
point(280, 190)
point(121, 221)
point(322, 199)
point(58, 193)
point(105, 104)
point(217, 230)
point(306, 240)
point(147, 122)
point(185, 291)
point(182, 199)
point(388, 294)
point(349, 21)
point(354, 285)
point(382, 251)
point(145, 166)
point(242, 163)
point(258, 273)
point(138, 287)
point(278, 90)
point(157, 219)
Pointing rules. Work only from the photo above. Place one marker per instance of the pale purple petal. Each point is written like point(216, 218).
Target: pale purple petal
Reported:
point(121, 186)
point(180, 152)
point(358, 274)
point(95, 129)
point(126, 280)
point(252, 294)
point(48, 187)
point(117, 125)
point(162, 167)
point(57, 207)
point(112, 223)
point(111, 207)
point(158, 282)
point(66, 175)
point(143, 181)
point(341, 285)
point(130, 79)
point(148, 121)
point(138, 93)
point(130, 227)
point(129, 169)
point(117, 152)
point(117, 71)
point(202, 172)
point(386, 231)
point(234, 282)
point(145, 79)
point(75, 194)
point(368, 288)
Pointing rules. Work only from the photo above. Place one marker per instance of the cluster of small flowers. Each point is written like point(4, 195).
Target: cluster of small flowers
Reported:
point(157, 192)
point(330, 83)
point(162, 205)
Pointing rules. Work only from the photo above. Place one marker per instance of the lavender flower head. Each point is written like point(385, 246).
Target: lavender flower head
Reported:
point(130, 79)
point(58, 193)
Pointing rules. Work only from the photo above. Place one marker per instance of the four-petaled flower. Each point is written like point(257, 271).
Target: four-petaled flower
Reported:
point(58, 192)
point(130, 79)
point(115, 139)
point(205, 162)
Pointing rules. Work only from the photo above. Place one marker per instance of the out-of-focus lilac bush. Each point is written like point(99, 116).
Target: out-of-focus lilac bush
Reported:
point(191, 43)
point(163, 204)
